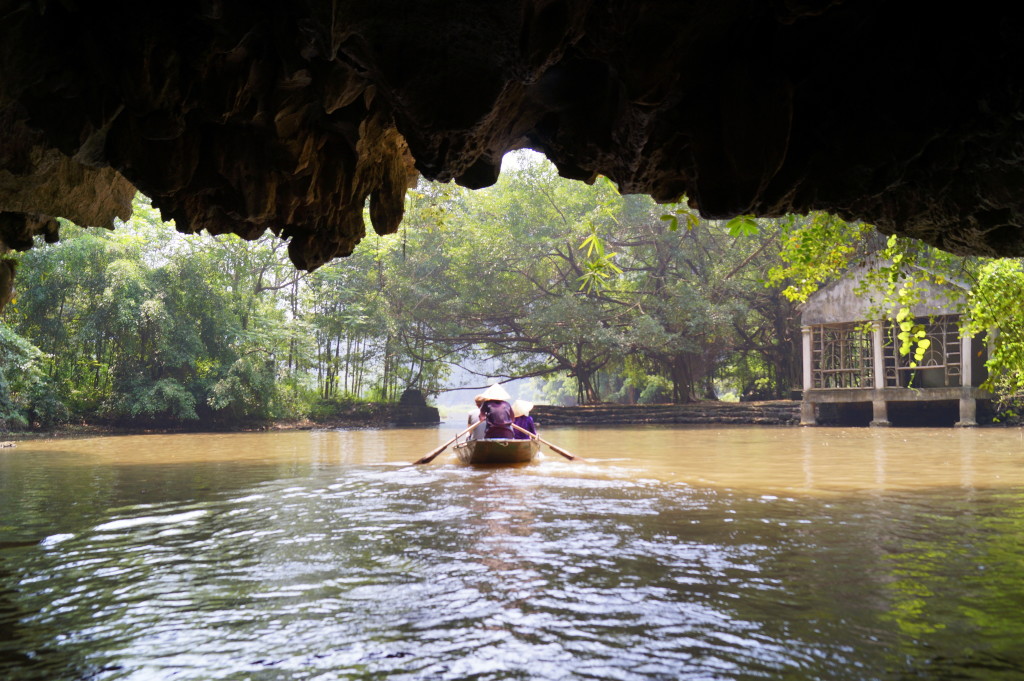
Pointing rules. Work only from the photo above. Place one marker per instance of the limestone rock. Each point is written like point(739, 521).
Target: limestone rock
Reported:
point(246, 116)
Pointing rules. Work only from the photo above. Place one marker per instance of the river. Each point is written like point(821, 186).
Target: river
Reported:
point(672, 553)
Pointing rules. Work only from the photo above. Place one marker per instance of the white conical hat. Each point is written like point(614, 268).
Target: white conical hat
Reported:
point(521, 407)
point(496, 392)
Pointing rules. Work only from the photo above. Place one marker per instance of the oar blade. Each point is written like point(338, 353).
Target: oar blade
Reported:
point(433, 454)
point(430, 456)
point(557, 450)
point(563, 452)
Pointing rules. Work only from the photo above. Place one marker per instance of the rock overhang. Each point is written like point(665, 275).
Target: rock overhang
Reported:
point(246, 116)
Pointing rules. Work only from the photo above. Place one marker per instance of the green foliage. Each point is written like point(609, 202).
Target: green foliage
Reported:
point(823, 247)
point(162, 400)
point(742, 225)
point(815, 249)
point(600, 296)
point(911, 336)
point(26, 395)
point(995, 303)
point(327, 409)
point(689, 218)
point(552, 278)
point(907, 273)
point(599, 265)
point(655, 390)
point(146, 323)
point(243, 391)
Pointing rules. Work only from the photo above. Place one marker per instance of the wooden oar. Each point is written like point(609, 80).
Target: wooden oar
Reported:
point(559, 450)
point(433, 455)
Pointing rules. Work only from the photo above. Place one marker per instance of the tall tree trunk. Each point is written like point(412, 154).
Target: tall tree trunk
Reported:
point(346, 386)
point(682, 379)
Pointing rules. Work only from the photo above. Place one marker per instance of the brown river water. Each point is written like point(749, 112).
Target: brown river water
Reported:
point(672, 553)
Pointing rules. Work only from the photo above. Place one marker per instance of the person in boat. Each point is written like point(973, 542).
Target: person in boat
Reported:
point(521, 413)
point(496, 412)
point(475, 417)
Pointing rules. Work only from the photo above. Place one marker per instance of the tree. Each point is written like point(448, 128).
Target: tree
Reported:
point(26, 393)
point(995, 303)
point(603, 296)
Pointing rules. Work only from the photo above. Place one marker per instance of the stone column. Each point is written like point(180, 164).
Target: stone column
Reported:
point(879, 413)
point(966, 362)
point(968, 410)
point(808, 414)
point(879, 408)
point(808, 417)
point(808, 376)
point(877, 342)
point(968, 404)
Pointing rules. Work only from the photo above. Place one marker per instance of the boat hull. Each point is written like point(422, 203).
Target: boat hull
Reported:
point(497, 451)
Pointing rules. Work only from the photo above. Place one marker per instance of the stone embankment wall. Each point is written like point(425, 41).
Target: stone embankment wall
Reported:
point(780, 413)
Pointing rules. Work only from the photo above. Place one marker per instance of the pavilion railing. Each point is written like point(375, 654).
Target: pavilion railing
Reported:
point(841, 356)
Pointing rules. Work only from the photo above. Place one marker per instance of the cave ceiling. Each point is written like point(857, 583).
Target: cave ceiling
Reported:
point(246, 116)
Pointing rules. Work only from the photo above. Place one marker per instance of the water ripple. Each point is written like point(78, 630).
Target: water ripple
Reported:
point(454, 573)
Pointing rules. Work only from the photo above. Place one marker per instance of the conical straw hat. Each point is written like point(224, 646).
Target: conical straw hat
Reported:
point(496, 392)
point(521, 407)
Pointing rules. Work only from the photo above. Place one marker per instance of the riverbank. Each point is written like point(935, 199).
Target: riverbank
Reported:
point(381, 415)
point(355, 415)
point(770, 413)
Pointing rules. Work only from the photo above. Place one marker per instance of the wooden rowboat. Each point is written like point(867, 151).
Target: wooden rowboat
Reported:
point(497, 451)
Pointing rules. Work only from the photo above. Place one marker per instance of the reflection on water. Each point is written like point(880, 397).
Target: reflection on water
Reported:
point(677, 553)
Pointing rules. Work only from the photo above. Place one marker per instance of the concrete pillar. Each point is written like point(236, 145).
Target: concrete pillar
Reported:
point(968, 405)
point(808, 415)
point(879, 413)
point(968, 410)
point(966, 362)
point(879, 409)
point(877, 342)
point(808, 375)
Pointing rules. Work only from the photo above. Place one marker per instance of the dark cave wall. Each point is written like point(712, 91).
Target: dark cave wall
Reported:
point(247, 116)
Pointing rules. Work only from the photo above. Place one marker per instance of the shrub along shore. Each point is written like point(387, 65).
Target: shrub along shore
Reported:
point(352, 415)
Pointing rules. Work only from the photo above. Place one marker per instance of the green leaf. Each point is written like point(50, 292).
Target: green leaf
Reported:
point(742, 225)
point(592, 243)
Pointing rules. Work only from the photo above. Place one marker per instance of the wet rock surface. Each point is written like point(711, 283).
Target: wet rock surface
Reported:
point(246, 116)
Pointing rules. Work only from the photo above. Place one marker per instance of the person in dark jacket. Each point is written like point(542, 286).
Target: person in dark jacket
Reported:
point(474, 418)
point(496, 411)
point(521, 412)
